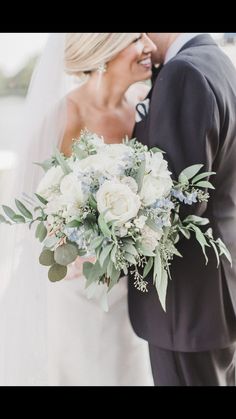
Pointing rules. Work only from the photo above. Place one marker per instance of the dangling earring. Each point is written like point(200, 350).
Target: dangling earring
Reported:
point(102, 68)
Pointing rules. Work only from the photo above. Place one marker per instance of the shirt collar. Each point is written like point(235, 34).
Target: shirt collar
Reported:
point(180, 41)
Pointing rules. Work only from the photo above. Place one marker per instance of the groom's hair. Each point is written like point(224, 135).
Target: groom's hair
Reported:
point(86, 52)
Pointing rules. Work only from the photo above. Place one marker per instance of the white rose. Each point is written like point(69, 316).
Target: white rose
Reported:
point(99, 162)
point(48, 187)
point(131, 183)
point(71, 189)
point(150, 238)
point(119, 202)
point(116, 151)
point(156, 165)
point(154, 188)
point(55, 205)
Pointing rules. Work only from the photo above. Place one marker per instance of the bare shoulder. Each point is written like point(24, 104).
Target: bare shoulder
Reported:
point(73, 123)
point(137, 92)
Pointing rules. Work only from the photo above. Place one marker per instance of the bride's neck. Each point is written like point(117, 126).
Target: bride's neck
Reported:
point(107, 92)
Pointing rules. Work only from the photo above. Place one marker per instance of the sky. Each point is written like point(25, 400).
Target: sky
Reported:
point(16, 48)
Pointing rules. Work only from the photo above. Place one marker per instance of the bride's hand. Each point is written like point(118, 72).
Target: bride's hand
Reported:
point(75, 269)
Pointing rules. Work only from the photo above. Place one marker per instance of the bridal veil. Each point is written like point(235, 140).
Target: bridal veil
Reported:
point(23, 288)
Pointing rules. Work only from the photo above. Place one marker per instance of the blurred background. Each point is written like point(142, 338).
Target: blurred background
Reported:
point(18, 55)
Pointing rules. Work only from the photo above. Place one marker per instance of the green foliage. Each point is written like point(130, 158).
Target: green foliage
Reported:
point(57, 272)
point(66, 254)
point(47, 258)
point(140, 175)
point(24, 211)
point(41, 232)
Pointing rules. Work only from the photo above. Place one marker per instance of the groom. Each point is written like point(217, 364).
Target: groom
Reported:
point(192, 117)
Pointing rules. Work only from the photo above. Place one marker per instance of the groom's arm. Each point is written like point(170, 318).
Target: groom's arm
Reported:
point(184, 119)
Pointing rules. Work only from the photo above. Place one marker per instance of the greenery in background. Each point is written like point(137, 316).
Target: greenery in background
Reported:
point(17, 84)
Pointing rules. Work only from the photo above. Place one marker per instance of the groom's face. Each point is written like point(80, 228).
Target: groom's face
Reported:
point(162, 41)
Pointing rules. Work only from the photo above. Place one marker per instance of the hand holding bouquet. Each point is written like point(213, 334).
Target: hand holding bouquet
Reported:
point(116, 202)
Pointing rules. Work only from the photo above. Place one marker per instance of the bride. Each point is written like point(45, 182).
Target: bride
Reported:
point(53, 334)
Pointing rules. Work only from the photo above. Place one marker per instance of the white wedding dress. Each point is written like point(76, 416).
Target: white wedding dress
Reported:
point(91, 347)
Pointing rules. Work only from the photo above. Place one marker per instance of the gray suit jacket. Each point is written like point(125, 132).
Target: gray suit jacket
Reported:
point(192, 117)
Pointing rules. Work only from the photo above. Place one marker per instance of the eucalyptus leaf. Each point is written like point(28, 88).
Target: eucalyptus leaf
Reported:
point(88, 272)
point(205, 184)
point(19, 219)
point(92, 202)
point(183, 179)
point(110, 268)
point(191, 171)
point(129, 248)
point(47, 164)
point(104, 253)
point(57, 272)
point(175, 251)
point(47, 258)
point(62, 162)
point(97, 242)
point(113, 253)
point(186, 233)
point(41, 232)
point(157, 150)
point(130, 258)
point(103, 226)
point(51, 241)
point(41, 199)
point(66, 254)
point(161, 287)
point(3, 220)
point(140, 175)
point(157, 267)
point(9, 212)
point(196, 220)
point(201, 240)
point(74, 223)
point(224, 250)
point(202, 176)
point(24, 211)
point(150, 223)
point(114, 277)
point(80, 154)
point(145, 251)
point(148, 267)
point(216, 252)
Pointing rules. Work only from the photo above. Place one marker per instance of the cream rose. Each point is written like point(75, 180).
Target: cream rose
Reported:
point(154, 188)
point(118, 201)
point(131, 183)
point(99, 162)
point(150, 238)
point(71, 189)
point(49, 185)
point(156, 165)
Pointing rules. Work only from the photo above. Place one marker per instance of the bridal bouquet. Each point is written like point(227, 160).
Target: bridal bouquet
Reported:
point(118, 203)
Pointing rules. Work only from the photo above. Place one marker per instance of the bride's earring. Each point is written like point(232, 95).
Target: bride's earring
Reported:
point(102, 68)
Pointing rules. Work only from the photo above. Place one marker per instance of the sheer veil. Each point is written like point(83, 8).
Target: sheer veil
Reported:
point(23, 282)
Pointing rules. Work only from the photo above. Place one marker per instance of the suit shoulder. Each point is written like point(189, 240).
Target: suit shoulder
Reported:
point(182, 69)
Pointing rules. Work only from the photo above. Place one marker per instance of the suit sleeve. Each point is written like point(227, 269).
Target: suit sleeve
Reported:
point(183, 120)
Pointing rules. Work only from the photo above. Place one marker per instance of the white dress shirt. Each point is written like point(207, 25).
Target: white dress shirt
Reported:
point(180, 41)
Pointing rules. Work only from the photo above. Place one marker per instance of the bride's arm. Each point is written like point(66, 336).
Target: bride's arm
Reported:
point(75, 269)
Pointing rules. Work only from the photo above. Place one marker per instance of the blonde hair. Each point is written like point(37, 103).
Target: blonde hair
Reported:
point(86, 52)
